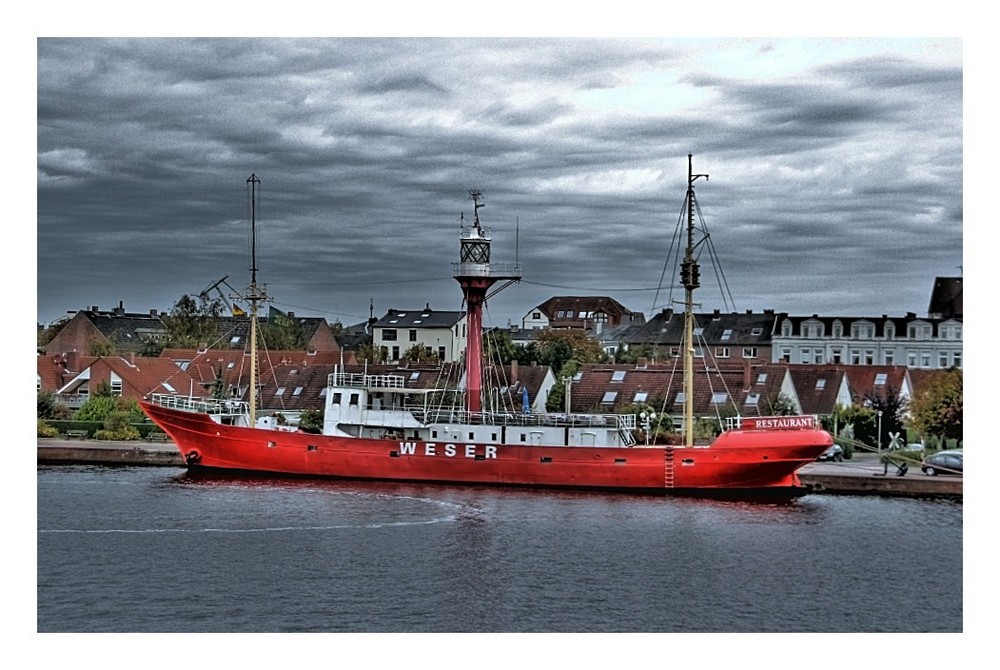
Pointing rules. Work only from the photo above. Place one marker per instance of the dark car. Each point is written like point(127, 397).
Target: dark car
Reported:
point(834, 453)
point(943, 463)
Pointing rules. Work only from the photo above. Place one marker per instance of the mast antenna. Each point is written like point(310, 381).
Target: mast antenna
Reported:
point(254, 296)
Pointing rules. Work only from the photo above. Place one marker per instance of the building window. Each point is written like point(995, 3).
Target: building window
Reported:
point(925, 359)
point(890, 331)
point(820, 384)
point(679, 400)
point(297, 391)
point(640, 396)
point(280, 391)
point(395, 353)
point(389, 335)
point(719, 398)
point(116, 387)
point(609, 397)
point(536, 315)
point(862, 331)
point(855, 357)
point(911, 359)
point(786, 329)
point(869, 357)
point(880, 379)
point(722, 352)
point(956, 359)
point(817, 356)
point(838, 329)
point(837, 353)
point(756, 332)
point(786, 354)
point(441, 353)
point(618, 376)
point(890, 357)
point(805, 355)
point(751, 352)
point(942, 359)
point(726, 334)
point(761, 379)
point(413, 335)
point(752, 399)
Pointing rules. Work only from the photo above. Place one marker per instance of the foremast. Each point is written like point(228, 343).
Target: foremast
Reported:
point(253, 294)
point(691, 280)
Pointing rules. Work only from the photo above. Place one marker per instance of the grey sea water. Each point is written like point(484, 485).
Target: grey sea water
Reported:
point(157, 550)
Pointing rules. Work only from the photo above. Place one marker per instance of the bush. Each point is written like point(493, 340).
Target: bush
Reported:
point(45, 430)
point(123, 433)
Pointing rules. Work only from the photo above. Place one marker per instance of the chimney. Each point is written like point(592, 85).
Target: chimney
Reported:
point(746, 375)
point(120, 309)
point(513, 371)
point(72, 361)
point(152, 312)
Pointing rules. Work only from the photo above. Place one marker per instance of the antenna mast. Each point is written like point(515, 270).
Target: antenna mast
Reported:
point(691, 280)
point(254, 296)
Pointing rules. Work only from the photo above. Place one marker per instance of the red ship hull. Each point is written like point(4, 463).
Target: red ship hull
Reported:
point(738, 460)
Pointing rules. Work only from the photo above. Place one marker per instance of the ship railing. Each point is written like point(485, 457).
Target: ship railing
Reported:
point(458, 416)
point(213, 406)
point(360, 380)
point(486, 269)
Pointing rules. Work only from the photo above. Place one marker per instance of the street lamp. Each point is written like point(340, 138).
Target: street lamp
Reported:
point(647, 418)
point(879, 414)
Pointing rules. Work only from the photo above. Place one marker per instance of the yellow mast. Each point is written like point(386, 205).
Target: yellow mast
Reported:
point(690, 280)
point(255, 295)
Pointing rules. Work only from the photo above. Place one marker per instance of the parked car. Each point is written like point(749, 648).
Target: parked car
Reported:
point(834, 453)
point(948, 462)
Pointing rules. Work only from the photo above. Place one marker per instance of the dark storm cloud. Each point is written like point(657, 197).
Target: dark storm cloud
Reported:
point(821, 179)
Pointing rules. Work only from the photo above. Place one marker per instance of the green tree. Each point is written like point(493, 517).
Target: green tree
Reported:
point(99, 346)
point(556, 346)
point(937, 408)
point(631, 354)
point(100, 407)
point(857, 423)
point(192, 323)
point(368, 352)
point(418, 353)
point(893, 408)
point(781, 405)
point(499, 349)
point(311, 421)
point(49, 406)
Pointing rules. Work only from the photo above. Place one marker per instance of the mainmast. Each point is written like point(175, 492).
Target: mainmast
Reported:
point(254, 296)
point(476, 275)
point(690, 280)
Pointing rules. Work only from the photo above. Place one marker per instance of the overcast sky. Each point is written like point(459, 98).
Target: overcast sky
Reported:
point(836, 169)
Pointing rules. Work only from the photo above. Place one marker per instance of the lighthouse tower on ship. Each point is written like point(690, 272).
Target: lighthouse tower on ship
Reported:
point(477, 277)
